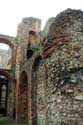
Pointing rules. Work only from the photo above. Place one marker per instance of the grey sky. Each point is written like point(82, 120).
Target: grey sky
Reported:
point(12, 11)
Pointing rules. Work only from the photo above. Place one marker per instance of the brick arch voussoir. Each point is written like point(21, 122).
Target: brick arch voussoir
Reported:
point(5, 73)
point(7, 42)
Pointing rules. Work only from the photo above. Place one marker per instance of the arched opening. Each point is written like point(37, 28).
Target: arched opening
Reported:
point(4, 80)
point(32, 36)
point(38, 92)
point(29, 53)
point(5, 56)
point(23, 98)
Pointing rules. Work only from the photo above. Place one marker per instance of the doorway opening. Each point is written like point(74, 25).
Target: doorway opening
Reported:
point(23, 102)
point(3, 94)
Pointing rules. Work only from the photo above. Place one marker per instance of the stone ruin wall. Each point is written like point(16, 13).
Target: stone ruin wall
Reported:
point(22, 63)
point(26, 25)
point(58, 75)
point(64, 86)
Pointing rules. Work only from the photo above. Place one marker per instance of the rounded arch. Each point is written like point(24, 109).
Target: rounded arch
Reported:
point(6, 41)
point(23, 76)
point(4, 85)
point(35, 62)
point(37, 91)
point(6, 64)
point(23, 97)
point(5, 73)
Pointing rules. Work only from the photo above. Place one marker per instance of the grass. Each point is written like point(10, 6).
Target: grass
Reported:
point(6, 122)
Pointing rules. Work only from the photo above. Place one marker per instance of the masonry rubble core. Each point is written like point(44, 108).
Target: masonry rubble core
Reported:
point(46, 75)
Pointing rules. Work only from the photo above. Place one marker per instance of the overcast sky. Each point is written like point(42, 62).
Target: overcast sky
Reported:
point(12, 11)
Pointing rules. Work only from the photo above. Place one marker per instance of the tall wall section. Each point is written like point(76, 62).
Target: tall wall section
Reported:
point(64, 64)
point(54, 73)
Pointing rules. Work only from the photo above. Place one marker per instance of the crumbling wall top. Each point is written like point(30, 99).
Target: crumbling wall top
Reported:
point(67, 21)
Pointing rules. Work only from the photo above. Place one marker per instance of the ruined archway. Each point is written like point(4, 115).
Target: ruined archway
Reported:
point(4, 85)
point(23, 98)
point(6, 41)
point(38, 92)
point(5, 54)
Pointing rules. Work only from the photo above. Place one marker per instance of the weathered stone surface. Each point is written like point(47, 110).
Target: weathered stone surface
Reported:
point(65, 69)
point(68, 21)
point(56, 84)
point(52, 94)
point(47, 26)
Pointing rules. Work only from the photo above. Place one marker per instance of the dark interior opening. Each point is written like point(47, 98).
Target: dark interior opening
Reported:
point(3, 94)
point(31, 32)
point(29, 53)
